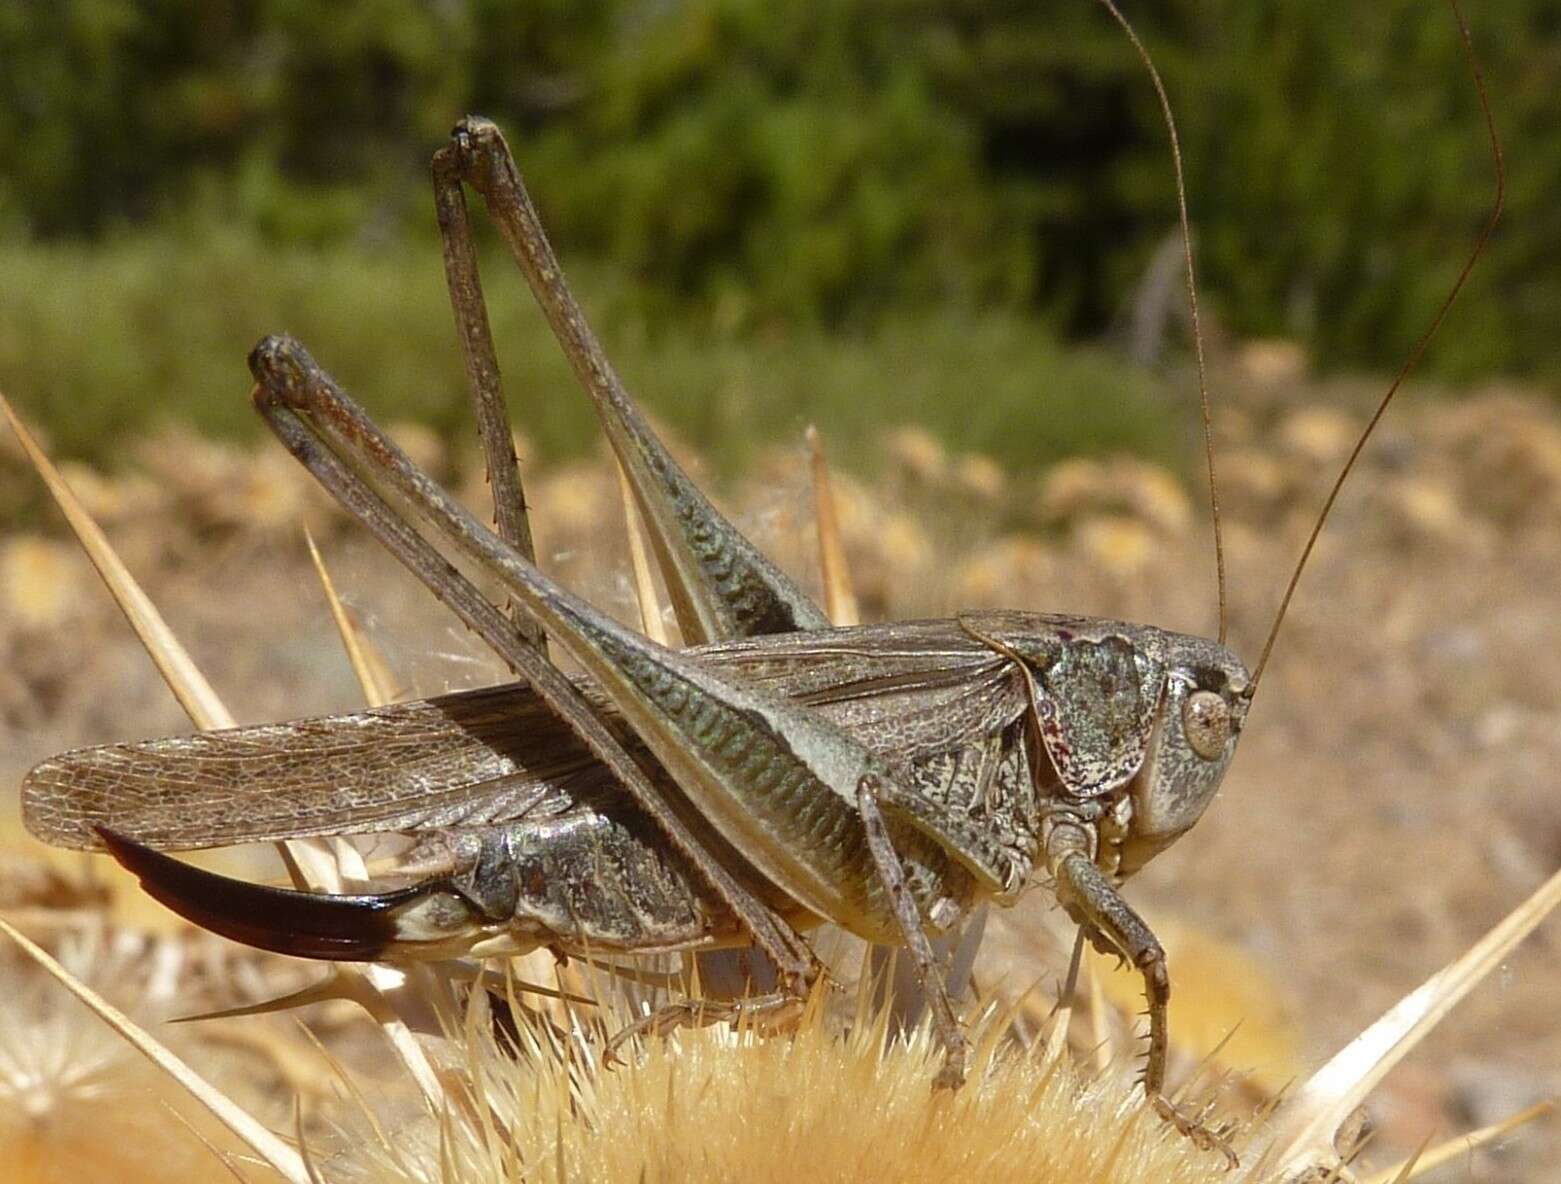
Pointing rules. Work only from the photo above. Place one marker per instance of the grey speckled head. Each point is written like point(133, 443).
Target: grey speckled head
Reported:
point(1120, 704)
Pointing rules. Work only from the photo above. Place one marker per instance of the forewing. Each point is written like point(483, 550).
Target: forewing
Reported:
point(481, 756)
point(862, 662)
point(474, 757)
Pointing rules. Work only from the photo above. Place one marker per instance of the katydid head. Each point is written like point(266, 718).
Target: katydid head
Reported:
point(1127, 710)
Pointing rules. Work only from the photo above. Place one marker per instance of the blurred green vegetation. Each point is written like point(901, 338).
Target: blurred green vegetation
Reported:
point(111, 338)
point(756, 185)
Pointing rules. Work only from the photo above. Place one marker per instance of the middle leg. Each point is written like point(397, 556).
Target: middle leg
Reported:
point(928, 972)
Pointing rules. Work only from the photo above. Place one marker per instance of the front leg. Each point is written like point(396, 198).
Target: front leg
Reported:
point(892, 872)
point(1093, 900)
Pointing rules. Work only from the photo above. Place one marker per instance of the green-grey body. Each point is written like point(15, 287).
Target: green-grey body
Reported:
point(519, 818)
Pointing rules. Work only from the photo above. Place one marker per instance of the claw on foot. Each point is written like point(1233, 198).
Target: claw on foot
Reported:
point(1205, 1138)
point(950, 1076)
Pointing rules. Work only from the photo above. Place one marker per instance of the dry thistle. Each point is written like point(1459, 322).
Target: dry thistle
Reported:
point(717, 1105)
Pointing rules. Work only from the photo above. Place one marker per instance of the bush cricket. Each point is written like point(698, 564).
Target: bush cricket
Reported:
point(777, 774)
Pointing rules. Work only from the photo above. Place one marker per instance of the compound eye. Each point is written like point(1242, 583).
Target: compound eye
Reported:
point(1206, 721)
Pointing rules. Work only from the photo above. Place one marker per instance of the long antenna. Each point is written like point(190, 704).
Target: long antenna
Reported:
point(1192, 303)
point(1420, 346)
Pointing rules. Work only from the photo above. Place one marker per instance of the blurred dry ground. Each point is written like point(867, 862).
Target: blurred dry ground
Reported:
point(1396, 790)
